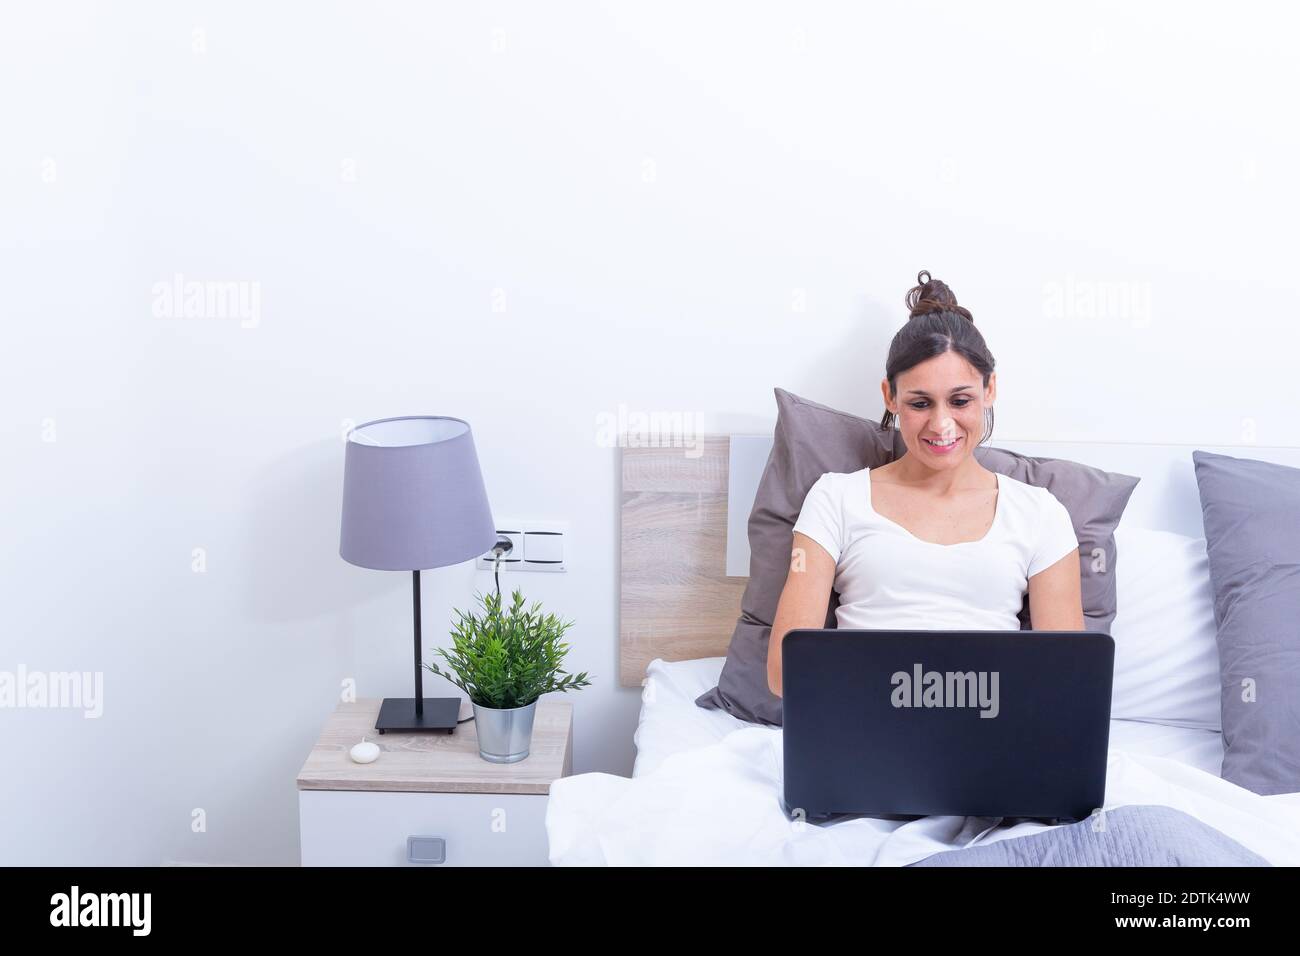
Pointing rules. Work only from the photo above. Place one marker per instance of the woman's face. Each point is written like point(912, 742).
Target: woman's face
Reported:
point(941, 400)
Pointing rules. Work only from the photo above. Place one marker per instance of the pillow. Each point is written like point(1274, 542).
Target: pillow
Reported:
point(813, 439)
point(1252, 532)
point(1096, 501)
point(810, 440)
point(1166, 658)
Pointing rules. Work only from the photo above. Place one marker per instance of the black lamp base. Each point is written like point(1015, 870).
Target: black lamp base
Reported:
point(398, 714)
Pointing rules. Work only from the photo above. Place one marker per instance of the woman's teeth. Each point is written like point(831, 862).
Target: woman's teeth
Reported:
point(941, 444)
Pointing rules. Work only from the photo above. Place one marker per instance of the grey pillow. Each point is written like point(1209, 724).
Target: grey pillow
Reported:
point(1252, 536)
point(812, 439)
point(1096, 501)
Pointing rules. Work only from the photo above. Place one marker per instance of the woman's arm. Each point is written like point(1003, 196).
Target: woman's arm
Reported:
point(1055, 596)
point(804, 599)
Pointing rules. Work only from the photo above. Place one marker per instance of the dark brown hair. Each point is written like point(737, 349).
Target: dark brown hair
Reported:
point(936, 324)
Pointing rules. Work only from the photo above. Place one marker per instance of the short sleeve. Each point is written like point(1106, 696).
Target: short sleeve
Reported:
point(1056, 537)
point(821, 517)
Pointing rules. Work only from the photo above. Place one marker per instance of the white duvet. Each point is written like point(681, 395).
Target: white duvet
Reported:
point(706, 786)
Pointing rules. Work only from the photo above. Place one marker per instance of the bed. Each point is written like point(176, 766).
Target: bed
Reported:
point(705, 785)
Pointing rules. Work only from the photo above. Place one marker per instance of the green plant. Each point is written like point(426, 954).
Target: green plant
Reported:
point(508, 659)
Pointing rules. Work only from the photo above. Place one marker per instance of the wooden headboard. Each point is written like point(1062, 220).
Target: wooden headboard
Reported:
point(675, 599)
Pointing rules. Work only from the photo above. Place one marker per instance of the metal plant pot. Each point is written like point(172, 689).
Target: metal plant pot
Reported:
point(504, 736)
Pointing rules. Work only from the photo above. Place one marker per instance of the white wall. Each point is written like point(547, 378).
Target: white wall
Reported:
point(655, 188)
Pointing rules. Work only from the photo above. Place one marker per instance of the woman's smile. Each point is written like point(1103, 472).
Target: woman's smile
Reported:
point(942, 449)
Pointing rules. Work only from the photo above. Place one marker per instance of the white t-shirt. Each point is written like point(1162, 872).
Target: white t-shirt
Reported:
point(889, 578)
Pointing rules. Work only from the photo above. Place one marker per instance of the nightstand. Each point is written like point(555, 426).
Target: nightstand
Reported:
point(433, 786)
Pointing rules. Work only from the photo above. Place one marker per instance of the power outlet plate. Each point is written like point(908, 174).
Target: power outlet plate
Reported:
point(548, 539)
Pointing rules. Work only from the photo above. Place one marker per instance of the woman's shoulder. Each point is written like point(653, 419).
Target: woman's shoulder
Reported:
point(1016, 486)
point(844, 477)
point(1034, 498)
point(839, 485)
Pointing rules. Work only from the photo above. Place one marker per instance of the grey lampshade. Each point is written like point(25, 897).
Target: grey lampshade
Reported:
point(413, 495)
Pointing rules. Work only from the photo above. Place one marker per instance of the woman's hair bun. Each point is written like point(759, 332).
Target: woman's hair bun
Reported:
point(932, 295)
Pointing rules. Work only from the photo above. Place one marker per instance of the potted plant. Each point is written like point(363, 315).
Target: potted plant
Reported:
point(505, 661)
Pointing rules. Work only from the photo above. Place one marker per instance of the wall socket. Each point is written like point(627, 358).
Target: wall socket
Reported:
point(538, 546)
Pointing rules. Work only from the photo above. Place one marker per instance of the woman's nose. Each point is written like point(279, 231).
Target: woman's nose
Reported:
point(944, 426)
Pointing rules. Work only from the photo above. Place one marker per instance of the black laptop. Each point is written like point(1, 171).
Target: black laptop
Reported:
point(970, 723)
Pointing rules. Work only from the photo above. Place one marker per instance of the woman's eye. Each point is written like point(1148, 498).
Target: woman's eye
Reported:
point(960, 404)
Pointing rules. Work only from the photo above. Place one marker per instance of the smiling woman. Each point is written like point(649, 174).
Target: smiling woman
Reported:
point(932, 540)
point(938, 326)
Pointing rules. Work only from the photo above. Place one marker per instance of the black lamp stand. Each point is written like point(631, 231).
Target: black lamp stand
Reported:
point(418, 713)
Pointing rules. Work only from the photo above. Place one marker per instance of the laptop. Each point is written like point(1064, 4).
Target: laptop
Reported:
point(969, 723)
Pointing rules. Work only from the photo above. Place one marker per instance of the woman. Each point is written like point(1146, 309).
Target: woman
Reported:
point(933, 540)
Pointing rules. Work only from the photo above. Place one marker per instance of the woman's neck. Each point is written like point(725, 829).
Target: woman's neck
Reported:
point(907, 470)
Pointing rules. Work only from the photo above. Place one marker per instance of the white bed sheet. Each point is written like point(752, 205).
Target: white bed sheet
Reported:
point(705, 790)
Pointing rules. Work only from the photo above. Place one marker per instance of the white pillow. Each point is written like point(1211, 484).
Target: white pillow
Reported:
point(1166, 653)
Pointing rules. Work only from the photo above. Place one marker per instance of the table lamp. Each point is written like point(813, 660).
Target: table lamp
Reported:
point(413, 498)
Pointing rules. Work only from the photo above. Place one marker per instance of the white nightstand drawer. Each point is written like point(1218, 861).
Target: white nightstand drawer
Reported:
point(370, 828)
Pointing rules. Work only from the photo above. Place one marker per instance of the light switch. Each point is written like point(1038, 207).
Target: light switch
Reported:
point(543, 547)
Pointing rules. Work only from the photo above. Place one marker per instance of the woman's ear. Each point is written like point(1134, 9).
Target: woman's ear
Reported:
point(884, 393)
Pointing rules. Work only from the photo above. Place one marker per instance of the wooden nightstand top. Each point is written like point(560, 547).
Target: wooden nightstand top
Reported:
point(441, 763)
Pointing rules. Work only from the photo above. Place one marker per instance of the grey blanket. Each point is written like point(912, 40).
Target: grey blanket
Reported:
point(1126, 836)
